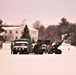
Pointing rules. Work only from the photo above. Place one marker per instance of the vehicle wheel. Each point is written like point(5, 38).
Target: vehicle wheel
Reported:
point(41, 52)
point(50, 52)
point(21, 53)
point(36, 51)
point(58, 51)
point(14, 52)
point(26, 52)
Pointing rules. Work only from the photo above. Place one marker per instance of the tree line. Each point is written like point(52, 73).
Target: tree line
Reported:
point(62, 28)
point(1, 30)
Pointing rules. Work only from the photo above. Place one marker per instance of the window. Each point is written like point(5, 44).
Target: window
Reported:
point(16, 37)
point(10, 31)
point(5, 31)
point(16, 31)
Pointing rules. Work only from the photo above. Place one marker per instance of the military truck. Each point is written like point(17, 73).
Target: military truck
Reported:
point(20, 46)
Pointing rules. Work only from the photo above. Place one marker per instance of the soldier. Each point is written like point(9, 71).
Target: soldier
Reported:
point(1, 44)
point(11, 47)
point(31, 48)
point(49, 47)
point(37, 49)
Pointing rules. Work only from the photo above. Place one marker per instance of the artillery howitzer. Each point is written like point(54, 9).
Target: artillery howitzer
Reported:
point(56, 45)
point(55, 49)
point(52, 48)
point(37, 47)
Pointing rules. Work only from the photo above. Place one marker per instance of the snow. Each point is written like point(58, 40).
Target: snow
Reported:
point(13, 28)
point(10, 28)
point(46, 64)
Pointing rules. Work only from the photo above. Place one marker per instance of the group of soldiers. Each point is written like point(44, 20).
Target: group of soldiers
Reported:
point(39, 48)
point(49, 48)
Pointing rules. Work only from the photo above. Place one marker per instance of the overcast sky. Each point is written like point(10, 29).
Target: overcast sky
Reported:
point(47, 11)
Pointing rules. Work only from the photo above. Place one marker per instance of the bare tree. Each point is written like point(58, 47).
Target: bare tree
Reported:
point(41, 32)
point(37, 25)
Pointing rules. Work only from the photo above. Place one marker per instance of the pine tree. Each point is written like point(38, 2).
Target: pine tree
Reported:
point(72, 33)
point(25, 33)
point(1, 21)
point(64, 25)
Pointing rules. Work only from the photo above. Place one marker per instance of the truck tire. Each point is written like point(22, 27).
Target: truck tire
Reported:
point(14, 52)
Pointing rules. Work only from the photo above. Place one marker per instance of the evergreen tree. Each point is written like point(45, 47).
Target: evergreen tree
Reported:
point(1, 21)
point(64, 24)
point(25, 33)
point(1, 29)
point(72, 33)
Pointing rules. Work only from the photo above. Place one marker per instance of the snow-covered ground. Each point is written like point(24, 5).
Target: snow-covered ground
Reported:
point(46, 64)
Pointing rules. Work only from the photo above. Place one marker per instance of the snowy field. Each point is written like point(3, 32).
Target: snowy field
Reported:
point(46, 64)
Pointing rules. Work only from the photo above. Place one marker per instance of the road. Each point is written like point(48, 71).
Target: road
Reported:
point(46, 64)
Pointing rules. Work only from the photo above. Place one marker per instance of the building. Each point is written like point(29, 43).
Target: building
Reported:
point(14, 32)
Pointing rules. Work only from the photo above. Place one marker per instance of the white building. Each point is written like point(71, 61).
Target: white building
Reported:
point(13, 33)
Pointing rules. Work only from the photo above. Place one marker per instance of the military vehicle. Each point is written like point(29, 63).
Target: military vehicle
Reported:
point(55, 49)
point(39, 48)
point(20, 46)
point(23, 46)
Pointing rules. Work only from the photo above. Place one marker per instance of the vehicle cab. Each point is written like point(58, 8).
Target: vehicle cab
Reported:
point(21, 46)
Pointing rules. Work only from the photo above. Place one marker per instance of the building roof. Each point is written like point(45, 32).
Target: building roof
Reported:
point(9, 28)
point(13, 28)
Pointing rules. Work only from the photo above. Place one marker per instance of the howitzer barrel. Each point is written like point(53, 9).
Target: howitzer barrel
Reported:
point(47, 36)
point(37, 47)
point(45, 39)
point(57, 44)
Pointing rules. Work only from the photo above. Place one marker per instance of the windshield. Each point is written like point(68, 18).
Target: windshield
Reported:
point(21, 44)
point(25, 40)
